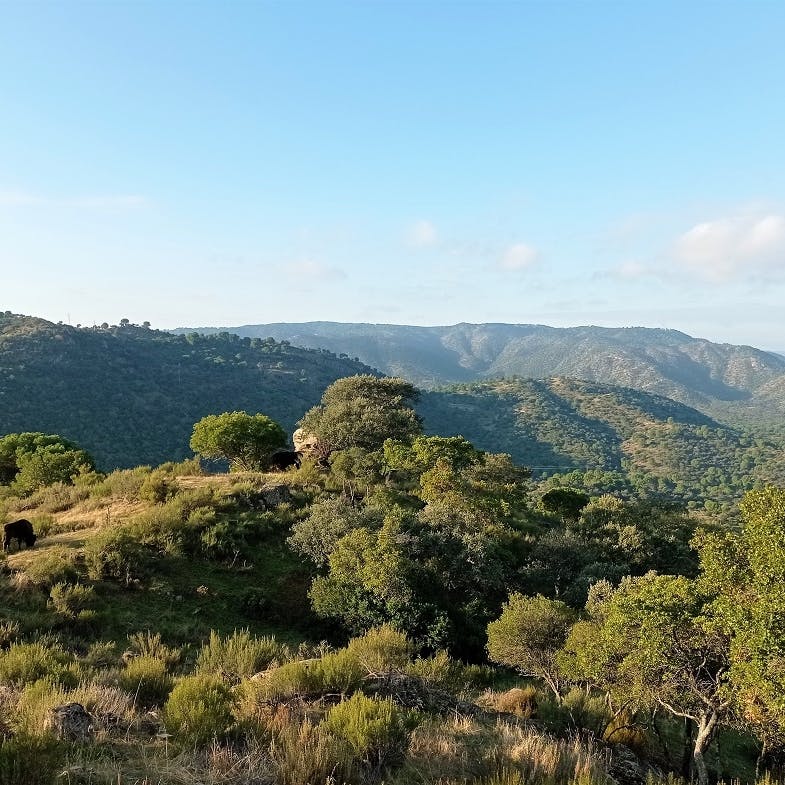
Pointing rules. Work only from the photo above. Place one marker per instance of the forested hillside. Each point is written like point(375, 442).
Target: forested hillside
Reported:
point(411, 610)
point(617, 437)
point(130, 395)
point(691, 370)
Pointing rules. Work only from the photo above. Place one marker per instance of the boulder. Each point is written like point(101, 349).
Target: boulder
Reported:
point(70, 722)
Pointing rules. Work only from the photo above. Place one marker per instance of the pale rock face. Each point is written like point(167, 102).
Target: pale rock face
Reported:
point(307, 443)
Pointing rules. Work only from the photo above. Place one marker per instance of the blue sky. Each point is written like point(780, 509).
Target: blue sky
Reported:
point(206, 163)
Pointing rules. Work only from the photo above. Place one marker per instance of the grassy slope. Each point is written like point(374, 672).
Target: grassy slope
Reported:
point(184, 600)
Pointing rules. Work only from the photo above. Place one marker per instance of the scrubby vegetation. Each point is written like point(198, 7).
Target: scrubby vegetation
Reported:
point(417, 610)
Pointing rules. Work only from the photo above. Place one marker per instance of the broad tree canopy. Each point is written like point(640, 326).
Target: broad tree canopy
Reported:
point(245, 440)
point(363, 411)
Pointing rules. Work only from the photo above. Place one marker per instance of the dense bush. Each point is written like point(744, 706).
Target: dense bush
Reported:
point(199, 709)
point(377, 731)
point(26, 760)
point(148, 679)
point(240, 654)
point(107, 705)
point(116, 554)
point(150, 644)
point(381, 648)
point(158, 487)
point(71, 601)
point(55, 565)
point(24, 663)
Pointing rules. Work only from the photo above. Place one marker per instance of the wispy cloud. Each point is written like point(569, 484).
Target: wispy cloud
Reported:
point(518, 257)
point(631, 270)
point(422, 234)
point(307, 272)
point(734, 247)
point(17, 198)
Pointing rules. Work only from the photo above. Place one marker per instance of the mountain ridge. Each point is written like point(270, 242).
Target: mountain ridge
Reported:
point(695, 371)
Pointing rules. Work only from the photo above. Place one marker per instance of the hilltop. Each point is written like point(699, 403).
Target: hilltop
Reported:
point(130, 395)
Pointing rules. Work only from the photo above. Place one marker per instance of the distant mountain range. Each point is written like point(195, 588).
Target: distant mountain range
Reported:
point(721, 379)
point(130, 395)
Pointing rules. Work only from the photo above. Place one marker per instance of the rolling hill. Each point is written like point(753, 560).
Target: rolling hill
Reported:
point(614, 437)
point(130, 395)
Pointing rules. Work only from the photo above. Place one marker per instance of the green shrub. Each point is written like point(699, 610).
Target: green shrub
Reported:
point(577, 710)
point(381, 648)
point(106, 704)
point(43, 524)
point(115, 554)
point(122, 483)
point(9, 631)
point(199, 709)
point(289, 680)
point(28, 760)
point(438, 670)
point(100, 655)
point(175, 527)
point(56, 497)
point(148, 679)
point(189, 467)
point(24, 663)
point(308, 754)
point(338, 672)
point(240, 654)
point(149, 644)
point(223, 540)
point(158, 487)
point(54, 565)
point(376, 730)
point(71, 600)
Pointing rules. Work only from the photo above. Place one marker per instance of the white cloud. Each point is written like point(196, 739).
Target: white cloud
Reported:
point(518, 257)
point(729, 248)
point(422, 234)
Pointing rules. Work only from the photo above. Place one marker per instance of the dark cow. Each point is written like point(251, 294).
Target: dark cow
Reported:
point(21, 531)
point(281, 460)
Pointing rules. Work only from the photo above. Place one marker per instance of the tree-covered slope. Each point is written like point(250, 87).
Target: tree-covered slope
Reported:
point(131, 395)
point(560, 425)
point(668, 362)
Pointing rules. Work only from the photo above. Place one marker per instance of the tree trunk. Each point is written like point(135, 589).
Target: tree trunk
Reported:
point(707, 727)
point(686, 756)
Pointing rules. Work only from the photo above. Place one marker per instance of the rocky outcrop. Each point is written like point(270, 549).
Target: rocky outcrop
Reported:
point(70, 722)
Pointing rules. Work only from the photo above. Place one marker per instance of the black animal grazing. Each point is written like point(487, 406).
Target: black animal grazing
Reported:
point(21, 531)
point(281, 460)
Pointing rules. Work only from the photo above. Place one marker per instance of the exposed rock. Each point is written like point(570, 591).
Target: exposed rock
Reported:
point(412, 692)
point(70, 722)
point(309, 445)
point(264, 498)
point(627, 768)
